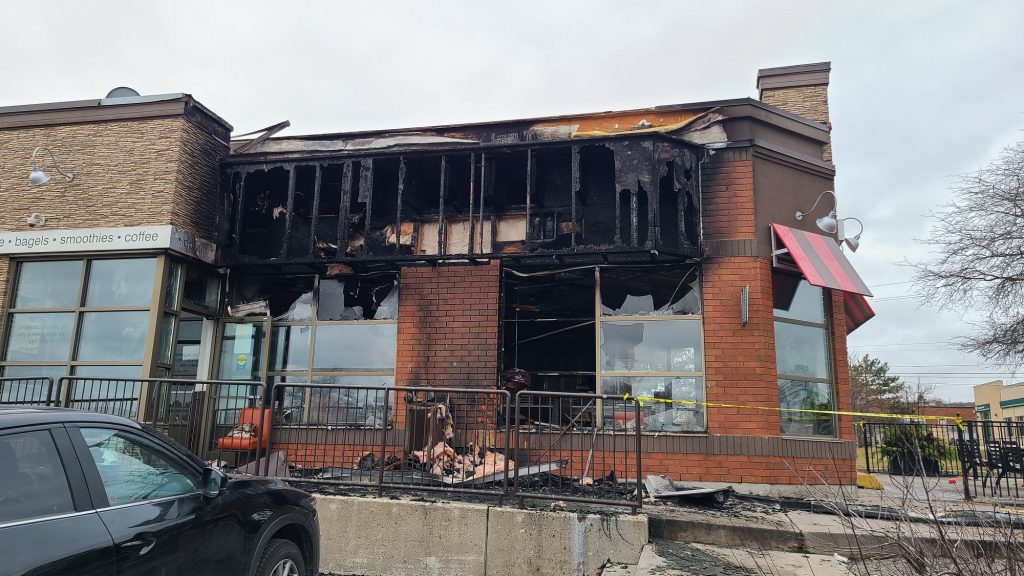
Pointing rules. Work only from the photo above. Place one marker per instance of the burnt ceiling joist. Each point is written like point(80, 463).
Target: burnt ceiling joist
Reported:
point(636, 193)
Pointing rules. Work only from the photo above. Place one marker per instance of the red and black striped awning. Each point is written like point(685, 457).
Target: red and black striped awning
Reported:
point(858, 311)
point(820, 260)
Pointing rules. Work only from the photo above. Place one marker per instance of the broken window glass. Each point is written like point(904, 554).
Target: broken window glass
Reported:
point(650, 292)
point(549, 328)
point(685, 414)
point(282, 294)
point(358, 298)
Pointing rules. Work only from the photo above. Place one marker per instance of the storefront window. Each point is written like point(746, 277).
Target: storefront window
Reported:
point(328, 331)
point(80, 317)
point(802, 358)
point(648, 325)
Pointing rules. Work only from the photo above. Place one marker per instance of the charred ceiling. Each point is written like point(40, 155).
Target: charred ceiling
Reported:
point(616, 195)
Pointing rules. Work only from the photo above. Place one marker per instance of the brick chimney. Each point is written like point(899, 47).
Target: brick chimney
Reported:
point(800, 89)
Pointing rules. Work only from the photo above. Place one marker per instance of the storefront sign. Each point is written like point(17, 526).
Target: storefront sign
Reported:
point(107, 239)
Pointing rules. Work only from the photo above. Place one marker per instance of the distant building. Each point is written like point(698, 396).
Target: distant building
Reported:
point(994, 401)
point(950, 410)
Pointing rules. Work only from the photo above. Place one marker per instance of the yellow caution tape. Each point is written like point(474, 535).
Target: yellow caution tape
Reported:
point(641, 399)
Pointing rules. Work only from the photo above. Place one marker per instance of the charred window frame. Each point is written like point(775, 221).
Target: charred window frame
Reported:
point(339, 331)
point(803, 357)
point(633, 329)
point(651, 343)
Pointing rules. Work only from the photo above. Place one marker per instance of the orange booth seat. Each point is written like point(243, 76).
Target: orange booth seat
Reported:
point(247, 434)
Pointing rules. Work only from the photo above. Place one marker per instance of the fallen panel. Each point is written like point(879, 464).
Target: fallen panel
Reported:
point(663, 487)
point(512, 474)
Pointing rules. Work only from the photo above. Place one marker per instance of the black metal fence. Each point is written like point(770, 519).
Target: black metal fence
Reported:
point(573, 447)
point(993, 457)
point(987, 456)
point(544, 445)
point(27, 391)
point(584, 447)
point(910, 448)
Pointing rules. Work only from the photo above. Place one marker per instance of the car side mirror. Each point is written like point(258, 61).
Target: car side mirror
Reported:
point(214, 482)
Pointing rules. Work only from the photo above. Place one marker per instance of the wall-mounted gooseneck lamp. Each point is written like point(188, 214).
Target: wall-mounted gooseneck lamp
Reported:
point(832, 224)
point(38, 177)
point(827, 223)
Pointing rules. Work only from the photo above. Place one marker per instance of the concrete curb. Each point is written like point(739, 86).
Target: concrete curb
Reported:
point(825, 540)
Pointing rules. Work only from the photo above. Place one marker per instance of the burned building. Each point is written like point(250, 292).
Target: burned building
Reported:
point(651, 253)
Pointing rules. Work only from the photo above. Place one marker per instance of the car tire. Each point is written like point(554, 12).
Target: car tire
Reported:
point(281, 558)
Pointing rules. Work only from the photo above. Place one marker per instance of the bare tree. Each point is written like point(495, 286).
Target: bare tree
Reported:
point(979, 255)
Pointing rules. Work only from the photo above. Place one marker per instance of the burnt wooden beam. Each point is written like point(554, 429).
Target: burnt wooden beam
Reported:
point(634, 222)
point(443, 195)
point(529, 192)
point(315, 222)
point(398, 205)
point(240, 211)
point(344, 208)
point(366, 195)
point(288, 211)
point(575, 191)
point(483, 190)
point(472, 192)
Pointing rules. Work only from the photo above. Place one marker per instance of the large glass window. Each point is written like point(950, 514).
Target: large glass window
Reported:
point(647, 324)
point(81, 317)
point(802, 358)
point(326, 331)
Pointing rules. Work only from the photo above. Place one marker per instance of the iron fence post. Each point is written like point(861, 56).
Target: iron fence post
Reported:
point(867, 450)
point(639, 456)
point(960, 444)
point(384, 441)
point(507, 396)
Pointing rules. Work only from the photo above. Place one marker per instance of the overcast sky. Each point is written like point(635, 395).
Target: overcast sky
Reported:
point(920, 91)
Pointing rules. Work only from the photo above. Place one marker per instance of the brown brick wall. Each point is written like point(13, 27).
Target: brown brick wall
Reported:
point(448, 326)
point(811, 102)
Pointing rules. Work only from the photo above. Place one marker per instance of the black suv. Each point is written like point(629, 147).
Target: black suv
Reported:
point(84, 493)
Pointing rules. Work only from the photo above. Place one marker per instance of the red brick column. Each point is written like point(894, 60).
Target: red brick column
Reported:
point(448, 326)
point(739, 361)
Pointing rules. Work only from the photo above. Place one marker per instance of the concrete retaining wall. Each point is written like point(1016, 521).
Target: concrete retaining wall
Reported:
point(383, 537)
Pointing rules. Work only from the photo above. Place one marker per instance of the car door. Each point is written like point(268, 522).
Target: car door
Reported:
point(47, 524)
point(153, 506)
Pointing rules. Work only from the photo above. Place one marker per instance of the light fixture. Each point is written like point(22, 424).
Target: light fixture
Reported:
point(832, 224)
point(38, 177)
point(828, 222)
point(854, 242)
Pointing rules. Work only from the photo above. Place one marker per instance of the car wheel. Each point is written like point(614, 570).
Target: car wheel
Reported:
point(281, 558)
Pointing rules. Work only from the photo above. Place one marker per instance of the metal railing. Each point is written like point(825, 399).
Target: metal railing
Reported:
point(579, 447)
point(910, 448)
point(992, 455)
point(543, 445)
point(433, 439)
point(222, 421)
point(27, 391)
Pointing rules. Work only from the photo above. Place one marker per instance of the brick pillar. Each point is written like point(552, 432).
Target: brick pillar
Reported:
point(802, 90)
point(448, 326)
point(739, 361)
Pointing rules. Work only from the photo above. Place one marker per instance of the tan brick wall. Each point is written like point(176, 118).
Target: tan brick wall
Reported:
point(811, 102)
point(195, 199)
